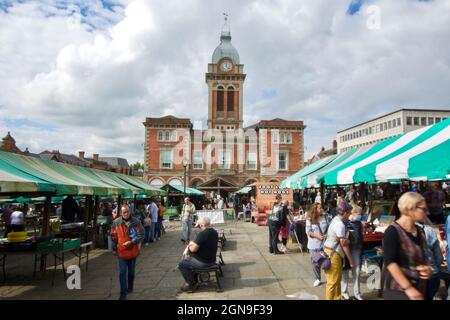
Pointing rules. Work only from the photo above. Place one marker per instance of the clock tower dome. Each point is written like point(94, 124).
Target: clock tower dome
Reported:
point(225, 79)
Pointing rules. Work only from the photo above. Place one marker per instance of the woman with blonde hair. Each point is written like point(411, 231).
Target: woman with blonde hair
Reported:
point(316, 229)
point(406, 255)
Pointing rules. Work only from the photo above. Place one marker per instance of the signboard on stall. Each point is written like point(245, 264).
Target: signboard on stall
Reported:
point(267, 191)
point(216, 216)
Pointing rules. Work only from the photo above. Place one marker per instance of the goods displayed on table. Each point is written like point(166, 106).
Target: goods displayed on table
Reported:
point(58, 244)
point(18, 241)
point(370, 257)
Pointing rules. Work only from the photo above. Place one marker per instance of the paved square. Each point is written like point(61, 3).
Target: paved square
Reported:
point(250, 272)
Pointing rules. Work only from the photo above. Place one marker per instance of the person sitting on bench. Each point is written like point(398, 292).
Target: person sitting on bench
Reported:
point(202, 253)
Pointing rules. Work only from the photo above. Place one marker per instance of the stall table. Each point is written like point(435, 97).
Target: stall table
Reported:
point(80, 251)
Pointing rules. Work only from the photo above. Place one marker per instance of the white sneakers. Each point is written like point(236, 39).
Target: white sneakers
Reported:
point(345, 296)
point(317, 283)
point(358, 297)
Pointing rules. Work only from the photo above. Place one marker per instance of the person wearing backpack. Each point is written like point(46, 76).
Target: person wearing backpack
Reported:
point(336, 246)
point(275, 223)
point(316, 229)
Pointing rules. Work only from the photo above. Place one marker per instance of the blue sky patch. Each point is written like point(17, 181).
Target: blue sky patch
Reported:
point(17, 123)
point(355, 6)
point(91, 16)
point(269, 94)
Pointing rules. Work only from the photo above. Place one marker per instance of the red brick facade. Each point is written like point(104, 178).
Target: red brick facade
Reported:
point(168, 140)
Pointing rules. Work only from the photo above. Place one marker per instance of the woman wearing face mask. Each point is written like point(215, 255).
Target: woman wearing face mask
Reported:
point(406, 255)
point(355, 226)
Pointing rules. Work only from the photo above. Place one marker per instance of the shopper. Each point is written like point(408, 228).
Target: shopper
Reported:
point(435, 257)
point(152, 210)
point(70, 209)
point(435, 199)
point(447, 249)
point(275, 222)
point(316, 230)
point(159, 226)
point(336, 246)
point(405, 251)
point(202, 253)
point(355, 227)
point(126, 233)
point(146, 222)
point(284, 231)
point(7, 212)
point(17, 220)
point(187, 216)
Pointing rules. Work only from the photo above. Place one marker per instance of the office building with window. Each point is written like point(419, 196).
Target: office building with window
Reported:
point(268, 151)
point(388, 126)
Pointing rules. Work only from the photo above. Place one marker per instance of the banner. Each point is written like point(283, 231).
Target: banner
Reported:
point(216, 216)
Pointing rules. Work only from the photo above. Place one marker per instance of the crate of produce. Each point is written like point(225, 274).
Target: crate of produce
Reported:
point(55, 244)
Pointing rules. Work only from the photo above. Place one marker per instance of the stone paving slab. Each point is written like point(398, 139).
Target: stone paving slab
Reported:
point(250, 272)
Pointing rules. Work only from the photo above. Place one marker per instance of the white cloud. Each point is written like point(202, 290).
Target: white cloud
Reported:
point(96, 86)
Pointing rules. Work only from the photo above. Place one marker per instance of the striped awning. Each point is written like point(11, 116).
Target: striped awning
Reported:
point(423, 154)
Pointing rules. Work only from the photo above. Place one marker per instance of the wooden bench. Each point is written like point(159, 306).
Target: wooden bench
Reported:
point(203, 275)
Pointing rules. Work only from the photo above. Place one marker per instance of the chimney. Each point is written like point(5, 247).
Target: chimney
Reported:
point(334, 144)
point(95, 156)
point(81, 154)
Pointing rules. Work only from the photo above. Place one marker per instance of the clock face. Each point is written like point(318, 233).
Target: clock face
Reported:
point(226, 66)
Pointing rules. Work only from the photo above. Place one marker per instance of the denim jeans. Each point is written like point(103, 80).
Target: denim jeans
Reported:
point(186, 266)
point(152, 232)
point(126, 265)
point(158, 229)
point(186, 224)
point(356, 255)
point(147, 234)
point(274, 230)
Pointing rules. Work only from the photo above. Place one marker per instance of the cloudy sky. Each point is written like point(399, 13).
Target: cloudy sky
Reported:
point(83, 75)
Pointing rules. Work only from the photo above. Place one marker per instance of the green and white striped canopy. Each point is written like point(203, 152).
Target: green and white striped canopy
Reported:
point(65, 178)
point(423, 154)
point(22, 174)
point(313, 180)
point(189, 191)
point(15, 180)
point(294, 180)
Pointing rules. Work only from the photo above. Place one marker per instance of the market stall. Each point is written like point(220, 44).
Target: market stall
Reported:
point(175, 197)
point(22, 176)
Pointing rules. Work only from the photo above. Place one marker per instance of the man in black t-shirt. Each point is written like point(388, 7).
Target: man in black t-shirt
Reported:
point(202, 253)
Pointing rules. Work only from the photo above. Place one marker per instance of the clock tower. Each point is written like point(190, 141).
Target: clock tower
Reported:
point(225, 79)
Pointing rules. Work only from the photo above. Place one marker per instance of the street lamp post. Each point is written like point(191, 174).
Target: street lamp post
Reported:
point(185, 164)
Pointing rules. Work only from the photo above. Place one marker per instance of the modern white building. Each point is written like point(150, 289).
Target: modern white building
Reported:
point(388, 126)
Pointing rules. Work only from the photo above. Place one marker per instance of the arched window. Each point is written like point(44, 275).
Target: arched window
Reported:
point(160, 136)
point(230, 99)
point(167, 136)
point(220, 91)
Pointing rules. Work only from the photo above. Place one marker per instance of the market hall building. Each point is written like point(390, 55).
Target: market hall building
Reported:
point(226, 156)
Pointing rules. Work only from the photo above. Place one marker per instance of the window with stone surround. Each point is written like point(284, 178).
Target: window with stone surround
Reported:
point(198, 159)
point(283, 160)
point(166, 159)
point(251, 160)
